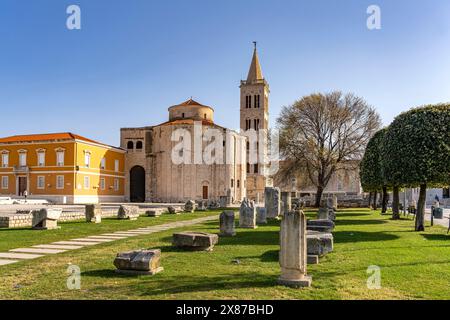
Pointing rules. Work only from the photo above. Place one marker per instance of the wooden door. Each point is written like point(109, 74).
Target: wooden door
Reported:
point(205, 192)
point(22, 185)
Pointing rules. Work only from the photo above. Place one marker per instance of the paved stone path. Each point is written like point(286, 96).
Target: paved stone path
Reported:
point(41, 250)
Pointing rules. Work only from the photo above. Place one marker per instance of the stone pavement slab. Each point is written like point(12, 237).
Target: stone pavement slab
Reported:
point(76, 243)
point(56, 246)
point(92, 240)
point(5, 262)
point(25, 256)
point(37, 250)
point(107, 237)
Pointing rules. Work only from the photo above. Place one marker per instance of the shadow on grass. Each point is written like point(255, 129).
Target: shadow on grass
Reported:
point(349, 222)
point(360, 236)
point(439, 237)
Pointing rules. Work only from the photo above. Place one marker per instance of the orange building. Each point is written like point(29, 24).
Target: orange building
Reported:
point(61, 167)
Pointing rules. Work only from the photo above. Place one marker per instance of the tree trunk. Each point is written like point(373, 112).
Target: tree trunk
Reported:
point(375, 195)
point(370, 199)
point(385, 200)
point(420, 213)
point(319, 196)
point(395, 204)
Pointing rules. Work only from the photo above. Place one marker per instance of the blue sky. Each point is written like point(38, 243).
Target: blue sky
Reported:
point(133, 59)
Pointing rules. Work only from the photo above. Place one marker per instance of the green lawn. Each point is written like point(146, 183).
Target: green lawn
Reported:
point(413, 265)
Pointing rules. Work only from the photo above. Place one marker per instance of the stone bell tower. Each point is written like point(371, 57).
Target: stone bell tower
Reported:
point(254, 109)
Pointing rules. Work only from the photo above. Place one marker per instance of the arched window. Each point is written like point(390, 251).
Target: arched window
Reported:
point(130, 145)
point(139, 145)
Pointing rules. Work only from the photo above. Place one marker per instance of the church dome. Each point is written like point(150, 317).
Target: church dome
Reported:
point(191, 109)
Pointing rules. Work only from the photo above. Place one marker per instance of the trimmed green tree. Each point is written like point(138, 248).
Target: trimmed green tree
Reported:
point(416, 152)
point(371, 173)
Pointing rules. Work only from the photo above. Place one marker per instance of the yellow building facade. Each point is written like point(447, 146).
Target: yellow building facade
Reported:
point(62, 168)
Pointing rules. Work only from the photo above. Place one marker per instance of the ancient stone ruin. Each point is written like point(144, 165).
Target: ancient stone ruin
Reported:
point(128, 212)
point(293, 251)
point(322, 225)
point(195, 241)
point(93, 213)
point(272, 202)
point(46, 219)
point(227, 224)
point(190, 206)
point(261, 216)
point(140, 262)
point(287, 203)
point(247, 214)
point(156, 212)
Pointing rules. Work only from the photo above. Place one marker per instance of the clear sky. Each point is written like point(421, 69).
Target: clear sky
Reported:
point(133, 59)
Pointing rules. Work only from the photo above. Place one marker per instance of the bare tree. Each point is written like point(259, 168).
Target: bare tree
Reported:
point(321, 132)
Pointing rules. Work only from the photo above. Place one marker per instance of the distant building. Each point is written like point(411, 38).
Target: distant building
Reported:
point(153, 176)
point(61, 167)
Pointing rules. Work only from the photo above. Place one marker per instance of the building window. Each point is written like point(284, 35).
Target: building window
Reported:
point(182, 115)
point(445, 193)
point(59, 182)
point(5, 160)
point(232, 183)
point(130, 145)
point(87, 159)
point(116, 184)
point(5, 182)
point(87, 182)
point(256, 104)
point(139, 145)
point(248, 124)
point(204, 116)
point(103, 164)
point(256, 168)
point(60, 158)
point(40, 182)
point(256, 124)
point(22, 158)
point(102, 184)
point(248, 167)
point(238, 183)
point(41, 158)
point(116, 165)
point(248, 102)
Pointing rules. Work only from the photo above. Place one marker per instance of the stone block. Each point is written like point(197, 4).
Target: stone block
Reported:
point(319, 243)
point(261, 216)
point(312, 259)
point(154, 212)
point(322, 225)
point(190, 206)
point(46, 219)
point(139, 262)
point(128, 212)
point(93, 213)
point(272, 202)
point(196, 241)
point(227, 224)
point(247, 214)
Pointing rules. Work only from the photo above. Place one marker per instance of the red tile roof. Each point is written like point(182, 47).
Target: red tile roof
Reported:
point(46, 137)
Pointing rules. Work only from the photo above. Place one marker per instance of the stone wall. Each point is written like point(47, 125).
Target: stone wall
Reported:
point(24, 220)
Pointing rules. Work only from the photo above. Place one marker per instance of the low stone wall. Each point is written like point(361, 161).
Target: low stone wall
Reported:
point(24, 220)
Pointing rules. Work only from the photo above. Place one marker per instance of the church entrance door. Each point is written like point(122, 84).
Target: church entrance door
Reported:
point(205, 192)
point(137, 184)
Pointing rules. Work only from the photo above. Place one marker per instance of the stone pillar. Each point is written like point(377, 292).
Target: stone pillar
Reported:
point(335, 202)
point(247, 214)
point(46, 219)
point(261, 215)
point(293, 250)
point(227, 224)
point(272, 202)
point(93, 213)
point(322, 214)
point(287, 204)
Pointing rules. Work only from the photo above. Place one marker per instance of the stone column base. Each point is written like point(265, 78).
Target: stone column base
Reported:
point(295, 283)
